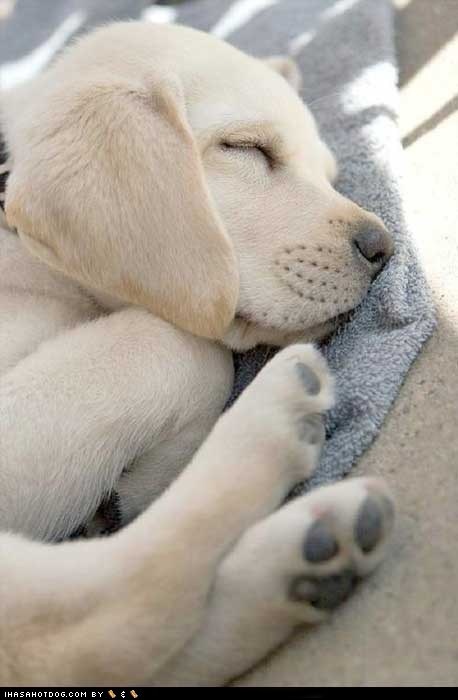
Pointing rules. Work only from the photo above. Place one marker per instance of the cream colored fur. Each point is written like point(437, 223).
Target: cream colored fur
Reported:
point(172, 199)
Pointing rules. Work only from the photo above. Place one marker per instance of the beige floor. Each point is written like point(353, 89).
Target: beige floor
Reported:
point(402, 626)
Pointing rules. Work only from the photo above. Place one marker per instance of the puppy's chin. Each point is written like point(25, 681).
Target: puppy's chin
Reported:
point(243, 334)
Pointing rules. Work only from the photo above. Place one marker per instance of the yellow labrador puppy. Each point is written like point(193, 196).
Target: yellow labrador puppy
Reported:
point(168, 198)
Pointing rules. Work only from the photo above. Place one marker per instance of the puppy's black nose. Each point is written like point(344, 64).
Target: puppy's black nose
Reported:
point(374, 244)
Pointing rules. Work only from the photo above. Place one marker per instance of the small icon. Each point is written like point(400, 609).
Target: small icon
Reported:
point(134, 694)
point(111, 694)
point(123, 693)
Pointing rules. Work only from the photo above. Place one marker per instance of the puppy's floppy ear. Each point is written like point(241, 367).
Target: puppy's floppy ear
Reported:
point(287, 68)
point(109, 188)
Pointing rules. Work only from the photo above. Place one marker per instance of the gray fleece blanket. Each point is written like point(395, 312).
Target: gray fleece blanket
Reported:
point(346, 53)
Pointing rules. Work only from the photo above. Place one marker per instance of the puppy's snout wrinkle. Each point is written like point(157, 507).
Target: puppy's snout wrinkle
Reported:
point(374, 244)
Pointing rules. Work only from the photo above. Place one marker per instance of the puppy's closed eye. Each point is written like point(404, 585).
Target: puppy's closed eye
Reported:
point(245, 148)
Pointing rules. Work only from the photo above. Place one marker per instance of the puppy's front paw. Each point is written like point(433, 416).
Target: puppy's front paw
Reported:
point(284, 407)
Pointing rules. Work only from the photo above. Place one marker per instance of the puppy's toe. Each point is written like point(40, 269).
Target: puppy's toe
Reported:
point(369, 525)
point(321, 544)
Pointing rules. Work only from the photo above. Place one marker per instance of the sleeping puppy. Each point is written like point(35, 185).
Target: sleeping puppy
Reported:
point(169, 198)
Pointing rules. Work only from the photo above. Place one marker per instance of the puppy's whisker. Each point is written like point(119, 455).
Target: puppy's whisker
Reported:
point(312, 103)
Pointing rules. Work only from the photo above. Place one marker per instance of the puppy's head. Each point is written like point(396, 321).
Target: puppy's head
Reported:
point(165, 168)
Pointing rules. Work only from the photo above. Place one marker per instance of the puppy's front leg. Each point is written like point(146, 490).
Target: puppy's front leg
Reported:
point(79, 410)
point(268, 441)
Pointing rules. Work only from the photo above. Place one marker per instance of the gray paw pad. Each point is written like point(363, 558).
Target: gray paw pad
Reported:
point(326, 593)
point(308, 378)
point(320, 544)
point(369, 525)
point(311, 429)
